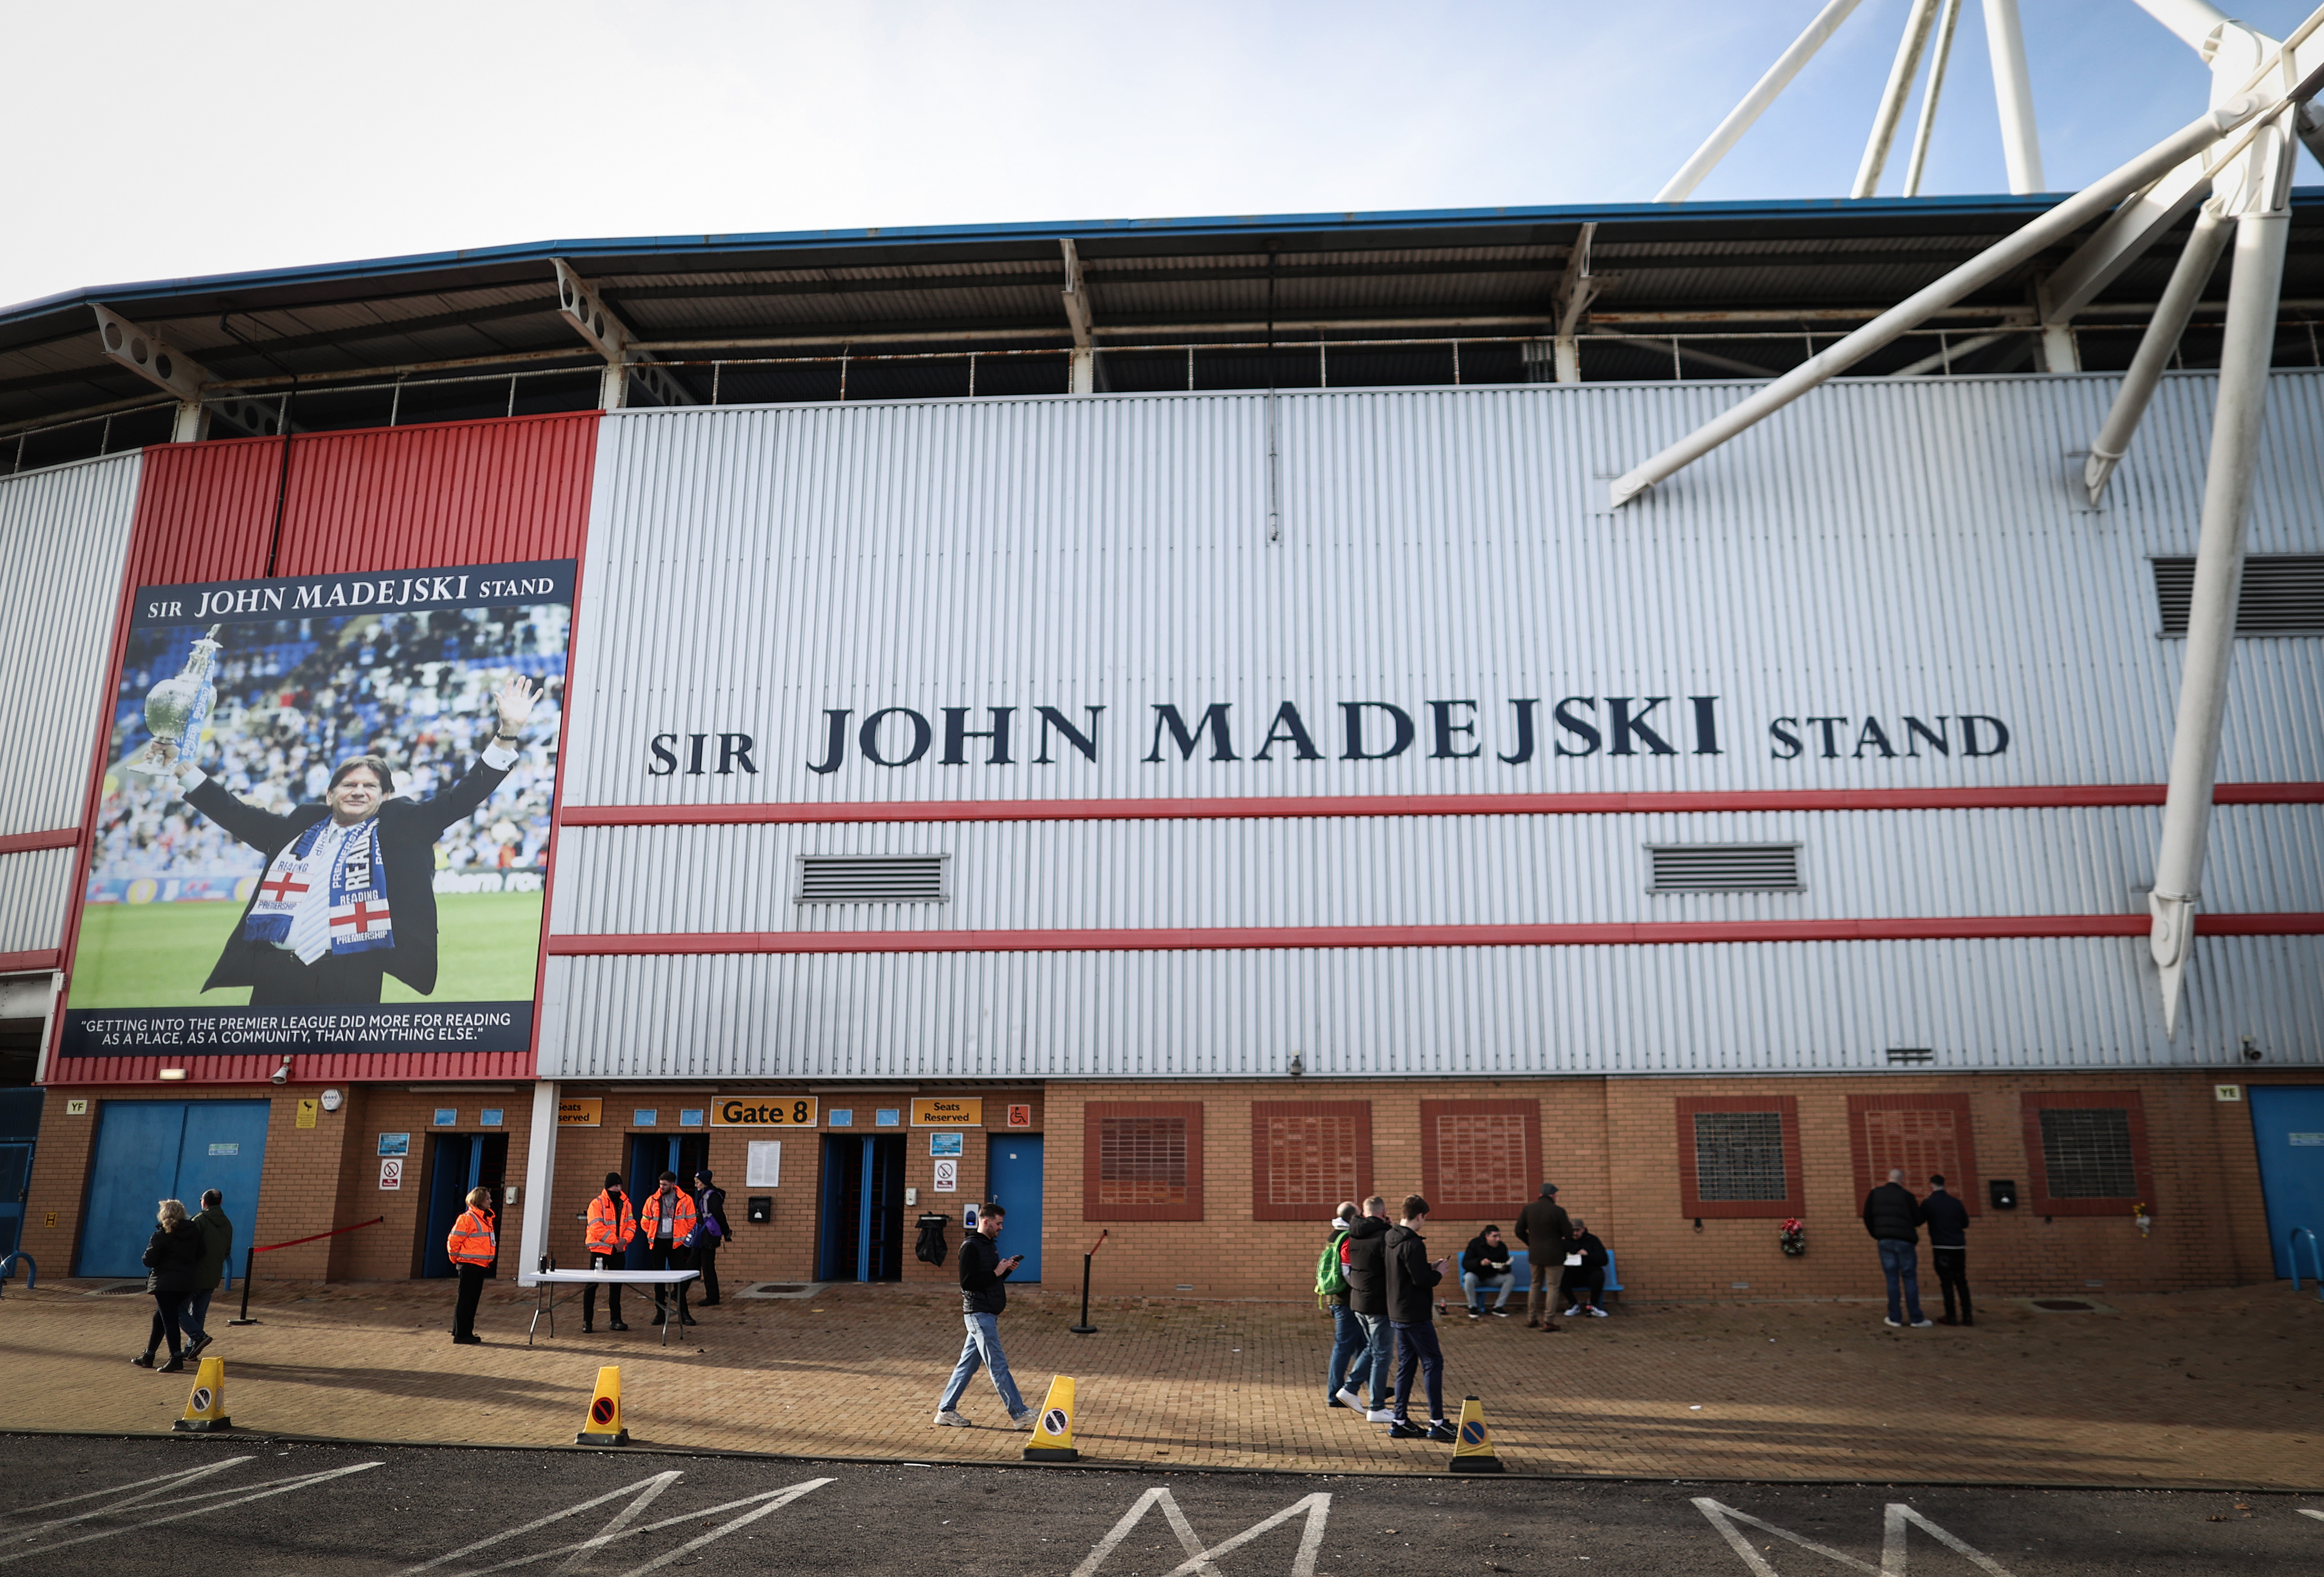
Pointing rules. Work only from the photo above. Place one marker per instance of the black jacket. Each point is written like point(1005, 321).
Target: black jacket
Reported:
point(1593, 1254)
point(1482, 1258)
point(1410, 1277)
point(408, 831)
point(1948, 1220)
point(1542, 1226)
point(983, 1285)
point(712, 1202)
point(1368, 1267)
point(1891, 1213)
point(217, 1247)
point(173, 1258)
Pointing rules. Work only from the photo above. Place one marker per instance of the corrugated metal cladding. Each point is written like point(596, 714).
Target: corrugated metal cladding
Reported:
point(371, 1066)
point(34, 890)
point(1883, 548)
point(1424, 1011)
point(1427, 870)
point(454, 493)
point(64, 534)
point(205, 511)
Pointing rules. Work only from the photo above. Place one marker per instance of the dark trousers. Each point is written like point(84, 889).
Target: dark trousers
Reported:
point(663, 1257)
point(1952, 1271)
point(1416, 1348)
point(278, 979)
point(166, 1305)
point(472, 1288)
point(612, 1292)
point(194, 1318)
point(1583, 1284)
point(705, 1260)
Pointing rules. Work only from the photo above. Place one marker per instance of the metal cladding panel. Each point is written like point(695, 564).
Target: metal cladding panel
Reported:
point(1426, 871)
point(64, 533)
point(35, 888)
point(1883, 548)
point(205, 511)
point(454, 493)
point(1818, 1007)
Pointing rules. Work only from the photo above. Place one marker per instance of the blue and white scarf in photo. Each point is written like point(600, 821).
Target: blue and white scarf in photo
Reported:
point(358, 913)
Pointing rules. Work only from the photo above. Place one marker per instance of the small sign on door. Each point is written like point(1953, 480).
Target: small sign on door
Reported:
point(391, 1173)
point(947, 1180)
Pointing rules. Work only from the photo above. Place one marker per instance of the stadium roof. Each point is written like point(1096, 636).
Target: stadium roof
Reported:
point(1686, 290)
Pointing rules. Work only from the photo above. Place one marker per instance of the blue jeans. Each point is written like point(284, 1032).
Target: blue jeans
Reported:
point(1416, 1348)
point(1472, 1284)
point(1382, 1338)
point(1901, 1262)
point(982, 1347)
point(194, 1319)
point(1348, 1340)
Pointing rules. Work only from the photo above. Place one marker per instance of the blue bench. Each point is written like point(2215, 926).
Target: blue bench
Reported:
point(1521, 1270)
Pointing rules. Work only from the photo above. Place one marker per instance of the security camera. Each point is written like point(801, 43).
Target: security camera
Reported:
point(283, 1074)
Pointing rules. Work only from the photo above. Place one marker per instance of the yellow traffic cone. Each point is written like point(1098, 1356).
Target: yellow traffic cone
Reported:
point(205, 1407)
point(603, 1426)
point(1053, 1431)
point(1473, 1453)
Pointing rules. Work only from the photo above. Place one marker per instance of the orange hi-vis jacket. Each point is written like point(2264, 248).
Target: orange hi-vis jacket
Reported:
point(681, 1215)
point(472, 1241)
point(609, 1230)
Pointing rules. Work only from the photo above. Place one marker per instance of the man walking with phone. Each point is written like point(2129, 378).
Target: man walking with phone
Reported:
point(984, 1294)
point(1412, 1278)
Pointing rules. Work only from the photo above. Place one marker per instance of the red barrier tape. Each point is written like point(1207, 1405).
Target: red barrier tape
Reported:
point(1102, 1235)
point(335, 1232)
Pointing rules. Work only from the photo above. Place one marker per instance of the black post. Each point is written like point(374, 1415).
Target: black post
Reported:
point(1085, 1328)
point(249, 1258)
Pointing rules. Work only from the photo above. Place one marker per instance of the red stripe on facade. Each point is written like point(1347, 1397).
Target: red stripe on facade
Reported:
point(1612, 934)
point(63, 837)
point(353, 1067)
point(2025, 797)
point(20, 962)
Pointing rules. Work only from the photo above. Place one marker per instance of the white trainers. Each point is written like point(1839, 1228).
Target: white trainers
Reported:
point(1574, 1312)
point(1923, 1324)
point(1023, 1419)
point(1380, 1416)
point(1596, 1313)
point(1350, 1394)
point(952, 1416)
point(1892, 1323)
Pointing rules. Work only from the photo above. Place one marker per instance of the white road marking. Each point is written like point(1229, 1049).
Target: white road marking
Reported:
point(280, 1486)
point(1198, 1563)
point(1895, 1523)
point(117, 1496)
point(2319, 1516)
point(644, 1491)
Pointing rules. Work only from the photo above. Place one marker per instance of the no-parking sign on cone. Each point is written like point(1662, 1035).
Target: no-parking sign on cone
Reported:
point(1053, 1431)
point(603, 1426)
point(1474, 1451)
point(205, 1407)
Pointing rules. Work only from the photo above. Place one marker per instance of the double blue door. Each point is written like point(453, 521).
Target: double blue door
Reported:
point(1014, 1171)
point(2288, 1126)
point(151, 1150)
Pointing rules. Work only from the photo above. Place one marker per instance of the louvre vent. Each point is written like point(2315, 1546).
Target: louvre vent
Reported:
point(872, 878)
point(1726, 868)
point(2283, 594)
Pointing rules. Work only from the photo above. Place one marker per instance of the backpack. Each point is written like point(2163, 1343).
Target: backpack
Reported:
point(1331, 1275)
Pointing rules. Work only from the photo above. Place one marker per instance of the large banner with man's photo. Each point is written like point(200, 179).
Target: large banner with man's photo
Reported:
point(325, 814)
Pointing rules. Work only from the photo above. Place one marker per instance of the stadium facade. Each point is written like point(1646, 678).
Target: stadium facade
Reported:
point(1245, 749)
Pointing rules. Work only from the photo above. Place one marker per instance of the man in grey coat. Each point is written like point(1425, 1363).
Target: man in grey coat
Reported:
point(217, 1247)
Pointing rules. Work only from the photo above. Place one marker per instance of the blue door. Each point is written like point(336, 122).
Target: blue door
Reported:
point(151, 1150)
point(1013, 1166)
point(651, 1155)
point(456, 1164)
point(2288, 1125)
point(862, 1236)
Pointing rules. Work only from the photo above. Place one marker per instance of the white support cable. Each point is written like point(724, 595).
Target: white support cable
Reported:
point(1900, 72)
point(1929, 95)
point(1979, 271)
point(2193, 20)
point(2012, 92)
point(1756, 102)
point(2198, 260)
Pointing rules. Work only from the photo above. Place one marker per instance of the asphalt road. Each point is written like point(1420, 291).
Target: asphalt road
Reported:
point(71, 1504)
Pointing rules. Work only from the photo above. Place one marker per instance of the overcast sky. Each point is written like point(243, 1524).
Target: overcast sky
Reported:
point(154, 140)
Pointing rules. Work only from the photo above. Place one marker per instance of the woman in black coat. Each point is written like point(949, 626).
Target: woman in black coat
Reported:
point(172, 1258)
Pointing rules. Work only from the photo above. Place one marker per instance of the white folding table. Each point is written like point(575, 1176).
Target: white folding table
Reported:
point(545, 1301)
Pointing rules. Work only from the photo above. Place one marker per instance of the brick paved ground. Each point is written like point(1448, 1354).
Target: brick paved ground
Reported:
point(2208, 1388)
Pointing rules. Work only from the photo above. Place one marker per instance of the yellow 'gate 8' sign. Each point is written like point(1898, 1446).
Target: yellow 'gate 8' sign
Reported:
point(764, 1112)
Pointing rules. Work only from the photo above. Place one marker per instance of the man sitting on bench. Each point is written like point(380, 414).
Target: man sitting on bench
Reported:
point(1584, 1283)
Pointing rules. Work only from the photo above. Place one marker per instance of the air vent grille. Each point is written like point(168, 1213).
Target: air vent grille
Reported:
point(872, 878)
point(1726, 868)
point(2283, 594)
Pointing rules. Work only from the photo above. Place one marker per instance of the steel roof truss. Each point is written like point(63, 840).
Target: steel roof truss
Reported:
point(610, 338)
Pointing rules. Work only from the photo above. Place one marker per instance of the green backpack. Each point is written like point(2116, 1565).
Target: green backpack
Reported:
point(1331, 1275)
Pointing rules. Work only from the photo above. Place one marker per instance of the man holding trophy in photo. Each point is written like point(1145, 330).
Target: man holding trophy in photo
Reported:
point(348, 896)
